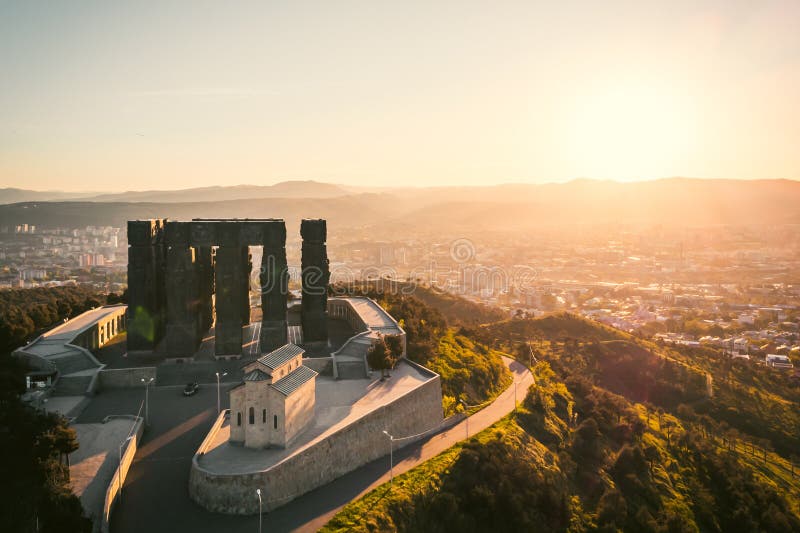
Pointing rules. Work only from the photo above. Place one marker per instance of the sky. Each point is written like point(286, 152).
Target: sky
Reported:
point(111, 96)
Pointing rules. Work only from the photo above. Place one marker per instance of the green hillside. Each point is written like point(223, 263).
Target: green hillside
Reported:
point(618, 434)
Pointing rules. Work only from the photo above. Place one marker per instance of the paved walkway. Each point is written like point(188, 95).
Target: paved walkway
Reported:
point(93, 464)
point(156, 491)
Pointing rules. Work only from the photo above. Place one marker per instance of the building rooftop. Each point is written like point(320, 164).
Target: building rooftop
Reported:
point(73, 327)
point(292, 381)
point(54, 342)
point(54, 345)
point(281, 356)
point(373, 315)
point(256, 375)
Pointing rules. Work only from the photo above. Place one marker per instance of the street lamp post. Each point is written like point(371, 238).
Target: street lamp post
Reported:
point(467, 416)
point(147, 400)
point(218, 376)
point(515, 395)
point(119, 466)
point(391, 456)
point(258, 492)
point(533, 357)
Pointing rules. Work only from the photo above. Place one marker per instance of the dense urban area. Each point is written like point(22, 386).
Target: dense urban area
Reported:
point(731, 288)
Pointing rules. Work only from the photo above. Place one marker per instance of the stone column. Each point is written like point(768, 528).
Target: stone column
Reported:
point(182, 291)
point(228, 283)
point(247, 269)
point(145, 285)
point(274, 287)
point(202, 239)
point(315, 277)
point(205, 274)
point(159, 250)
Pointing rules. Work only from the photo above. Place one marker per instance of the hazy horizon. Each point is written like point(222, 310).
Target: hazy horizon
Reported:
point(390, 187)
point(109, 97)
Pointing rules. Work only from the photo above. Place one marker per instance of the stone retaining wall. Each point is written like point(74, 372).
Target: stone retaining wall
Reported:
point(321, 365)
point(416, 412)
point(118, 481)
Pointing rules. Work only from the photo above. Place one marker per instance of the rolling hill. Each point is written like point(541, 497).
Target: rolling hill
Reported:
point(677, 202)
point(285, 189)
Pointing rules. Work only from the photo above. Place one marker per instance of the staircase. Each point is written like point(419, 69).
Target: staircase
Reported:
point(72, 385)
point(351, 358)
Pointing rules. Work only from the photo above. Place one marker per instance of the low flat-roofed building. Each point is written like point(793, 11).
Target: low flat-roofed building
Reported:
point(779, 361)
point(65, 350)
point(370, 322)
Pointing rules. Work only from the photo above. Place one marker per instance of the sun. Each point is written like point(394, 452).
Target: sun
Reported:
point(630, 131)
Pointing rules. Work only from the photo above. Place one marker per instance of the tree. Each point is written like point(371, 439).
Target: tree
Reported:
point(612, 511)
point(586, 446)
point(395, 345)
point(380, 357)
point(33, 446)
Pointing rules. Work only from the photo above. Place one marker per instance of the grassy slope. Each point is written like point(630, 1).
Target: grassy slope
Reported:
point(683, 487)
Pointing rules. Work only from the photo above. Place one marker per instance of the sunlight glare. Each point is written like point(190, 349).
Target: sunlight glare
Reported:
point(630, 132)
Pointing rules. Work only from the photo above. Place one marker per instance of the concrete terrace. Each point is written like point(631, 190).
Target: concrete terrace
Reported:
point(54, 346)
point(370, 321)
point(338, 404)
point(374, 316)
point(58, 349)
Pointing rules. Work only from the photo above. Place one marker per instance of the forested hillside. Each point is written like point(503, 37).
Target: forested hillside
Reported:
point(617, 434)
point(35, 494)
point(27, 312)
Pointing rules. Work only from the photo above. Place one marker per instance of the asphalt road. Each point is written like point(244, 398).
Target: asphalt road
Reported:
point(155, 494)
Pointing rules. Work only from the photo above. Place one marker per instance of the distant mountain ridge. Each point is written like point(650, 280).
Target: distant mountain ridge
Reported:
point(12, 195)
point(284, 189)
point(514, 207)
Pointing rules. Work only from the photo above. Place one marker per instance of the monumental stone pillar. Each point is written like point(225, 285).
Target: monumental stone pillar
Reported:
point(315, 277)
point(247, 269)
point(205, 275)
point(182, 291)
point(145, 284)
point(274, 281)
point(203, 239)
point(159, 250)
point(228, 281)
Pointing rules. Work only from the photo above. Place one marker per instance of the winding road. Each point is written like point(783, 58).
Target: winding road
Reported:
point(156, 498)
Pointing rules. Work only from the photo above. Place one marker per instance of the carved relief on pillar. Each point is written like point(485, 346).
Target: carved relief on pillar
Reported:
point(202, 234)
point(173, 273)
point(145, 284)
point(315, 277)
point(228, 282)
point(247, 269)
point(183, 311)
point(160, 282)
point(274, 280)
point(251, 233)
point(205, 274)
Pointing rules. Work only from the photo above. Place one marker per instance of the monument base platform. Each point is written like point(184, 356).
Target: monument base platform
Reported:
point(347, 432)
